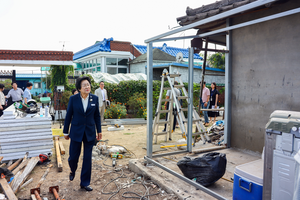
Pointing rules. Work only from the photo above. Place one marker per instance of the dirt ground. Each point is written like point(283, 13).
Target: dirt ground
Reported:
point(133, 137)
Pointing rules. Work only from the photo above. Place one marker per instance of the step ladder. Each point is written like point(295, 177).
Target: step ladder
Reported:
point(175, 106)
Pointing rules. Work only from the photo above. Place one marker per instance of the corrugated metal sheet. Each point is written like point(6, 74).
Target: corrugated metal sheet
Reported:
point(99, 46)
point(173, 51)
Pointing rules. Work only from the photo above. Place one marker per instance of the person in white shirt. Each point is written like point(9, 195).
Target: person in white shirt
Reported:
point(102, 96)
point(2, 100)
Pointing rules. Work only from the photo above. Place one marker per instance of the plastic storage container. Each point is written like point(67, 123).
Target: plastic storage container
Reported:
point(248, 181)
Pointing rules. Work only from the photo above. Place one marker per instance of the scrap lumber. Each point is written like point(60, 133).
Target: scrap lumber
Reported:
point(33, 197)
point(3, 165)
point(9, 163)
point(58, 156)
point(14, 165)
point(62, 148)
point(31, 164)
point(26, 183)
point(7, 189)
point(16, 176)
point(21, 166)
point(1, 158)
point(44, 176)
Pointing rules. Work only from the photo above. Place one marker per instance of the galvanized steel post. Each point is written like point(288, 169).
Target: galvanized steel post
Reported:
point(190, 103)
point(227, 125)
point(149, 98)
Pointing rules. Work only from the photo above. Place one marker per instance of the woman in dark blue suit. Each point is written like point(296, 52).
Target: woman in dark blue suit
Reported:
point(83, 114)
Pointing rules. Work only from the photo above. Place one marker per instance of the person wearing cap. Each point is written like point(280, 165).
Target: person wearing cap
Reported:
point(15, 93)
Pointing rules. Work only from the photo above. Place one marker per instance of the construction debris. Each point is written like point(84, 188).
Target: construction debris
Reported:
point(58, 155)
point(54, 190)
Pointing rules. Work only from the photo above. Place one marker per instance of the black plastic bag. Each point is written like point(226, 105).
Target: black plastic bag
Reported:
point(206, 169)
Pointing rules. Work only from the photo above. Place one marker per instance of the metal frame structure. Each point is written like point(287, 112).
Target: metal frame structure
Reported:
point(228, 29)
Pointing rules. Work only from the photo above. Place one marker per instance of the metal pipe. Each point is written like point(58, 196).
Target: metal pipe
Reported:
point(209, 149)
point(149, 98)
point(228, 77)
point(271, 17)
point(193, 183)
point(203, 74)
point(37, 195)
point(223, 15)
point(169, 153)
point(55, 194)
point(190, 99)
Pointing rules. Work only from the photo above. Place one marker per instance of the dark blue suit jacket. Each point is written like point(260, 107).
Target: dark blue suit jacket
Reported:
point(82, 122)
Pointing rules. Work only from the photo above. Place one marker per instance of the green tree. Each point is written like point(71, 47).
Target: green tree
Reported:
point(217, 60)
point(59, 75)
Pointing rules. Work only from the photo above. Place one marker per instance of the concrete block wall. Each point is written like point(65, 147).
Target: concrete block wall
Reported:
point(265, 73)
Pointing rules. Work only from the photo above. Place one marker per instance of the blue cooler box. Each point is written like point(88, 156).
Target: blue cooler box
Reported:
point(248, 181)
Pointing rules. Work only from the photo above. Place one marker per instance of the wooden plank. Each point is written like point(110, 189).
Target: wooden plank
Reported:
point(62, 148)
point(1, 158)
point(7, 189)
point(44, 176)
point(21, 166)
point(58, 156)
point(3, 165)
point(31, 164)
point(14, 165)
point(26, 183)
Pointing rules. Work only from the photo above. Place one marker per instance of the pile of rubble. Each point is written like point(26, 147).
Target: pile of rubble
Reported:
point(216, 133)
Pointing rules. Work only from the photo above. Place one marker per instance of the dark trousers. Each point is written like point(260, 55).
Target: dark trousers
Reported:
point(75, 150)
point(1, 111)
point(175, 120)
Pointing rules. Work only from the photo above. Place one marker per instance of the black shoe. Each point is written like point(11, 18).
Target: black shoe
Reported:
point(72, 176)
point(164, 131)
point(87, 188)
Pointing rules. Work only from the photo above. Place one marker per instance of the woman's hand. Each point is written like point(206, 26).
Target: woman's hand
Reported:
point(66, 137)
point(99, 136)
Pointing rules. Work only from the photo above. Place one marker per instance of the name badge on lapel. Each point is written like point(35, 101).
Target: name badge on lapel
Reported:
point(92, 104)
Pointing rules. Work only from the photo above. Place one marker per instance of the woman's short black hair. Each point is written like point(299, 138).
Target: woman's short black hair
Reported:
point(1, 86)
point(28, 84)
point(73, 91)
point(80, 79)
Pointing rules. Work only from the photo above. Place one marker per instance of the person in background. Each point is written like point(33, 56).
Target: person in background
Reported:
point(15, 93)
point(2, 100)
point(27, 94)
point(205, 102)
point(102, 95)
point(213, 102)
point(83, 115)
point(74, 91)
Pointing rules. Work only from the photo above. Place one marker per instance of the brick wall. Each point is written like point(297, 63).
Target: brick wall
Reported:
point(124, 46)
point(36, 55)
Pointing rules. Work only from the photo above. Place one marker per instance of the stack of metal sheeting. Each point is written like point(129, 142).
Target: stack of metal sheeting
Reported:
point(20, 134)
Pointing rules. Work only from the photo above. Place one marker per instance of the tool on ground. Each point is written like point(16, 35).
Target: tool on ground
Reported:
point(119, 156)
point(43, 159)
point(54, 190)
point(175, 106)
point(114, 162)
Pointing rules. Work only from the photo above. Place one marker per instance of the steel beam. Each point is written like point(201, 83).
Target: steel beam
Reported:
point(264, 19)
point(190, 100)
point(223, 15)
point(228, 85)
point(169, 153)
point(193, 183)
point(149, 98)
